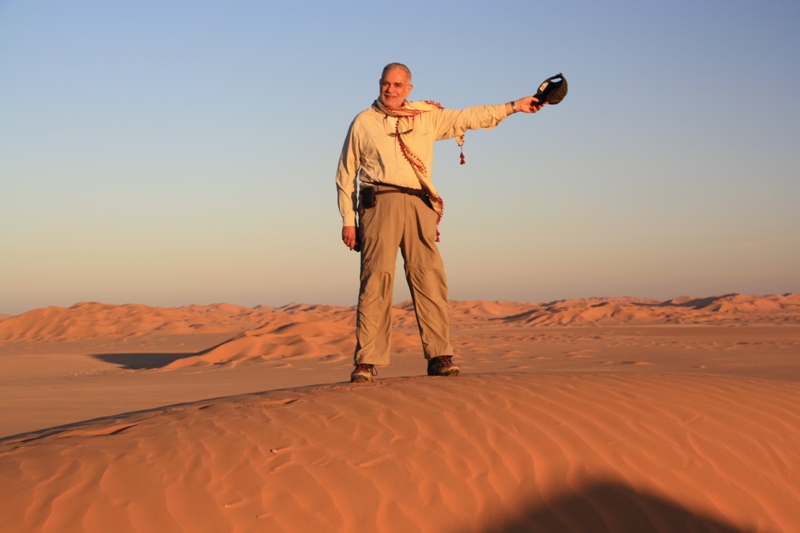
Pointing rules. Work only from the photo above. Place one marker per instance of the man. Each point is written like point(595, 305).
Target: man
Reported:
point(389, 149)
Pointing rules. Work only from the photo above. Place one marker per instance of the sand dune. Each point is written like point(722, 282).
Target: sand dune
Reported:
point(95, 320)
point(85, 321)
point(325, 332)
point(587, 415)
point(320, 339)
point(513, 452)
point(728, 309)
point(91, 320)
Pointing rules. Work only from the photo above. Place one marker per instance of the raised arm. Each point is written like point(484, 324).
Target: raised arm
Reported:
point(454, 122)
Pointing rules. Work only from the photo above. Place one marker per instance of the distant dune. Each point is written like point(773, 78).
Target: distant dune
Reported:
point(89, 320)
point(323, 331)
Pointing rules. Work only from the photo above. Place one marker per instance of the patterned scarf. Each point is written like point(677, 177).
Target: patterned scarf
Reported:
point(405, 120)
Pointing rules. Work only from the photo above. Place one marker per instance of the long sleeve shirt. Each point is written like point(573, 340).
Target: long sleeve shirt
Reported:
point(372, 154)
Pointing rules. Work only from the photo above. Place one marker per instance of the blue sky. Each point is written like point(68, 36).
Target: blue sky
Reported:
point(172, 152)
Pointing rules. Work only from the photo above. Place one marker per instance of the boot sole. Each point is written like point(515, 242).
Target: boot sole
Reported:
point(450, 374)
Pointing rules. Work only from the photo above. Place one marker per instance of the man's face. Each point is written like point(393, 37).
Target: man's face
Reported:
point(395, 88)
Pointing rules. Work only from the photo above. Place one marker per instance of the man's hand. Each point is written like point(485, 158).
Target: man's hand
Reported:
point(529, 104)
point(349, 236)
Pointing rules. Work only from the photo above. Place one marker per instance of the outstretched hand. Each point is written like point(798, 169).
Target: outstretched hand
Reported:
point(528, 104)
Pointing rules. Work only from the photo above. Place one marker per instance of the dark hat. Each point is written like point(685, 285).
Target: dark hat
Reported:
point(552, 90)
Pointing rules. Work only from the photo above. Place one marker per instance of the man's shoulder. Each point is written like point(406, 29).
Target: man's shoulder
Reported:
point(368, 114)
point(365, 121)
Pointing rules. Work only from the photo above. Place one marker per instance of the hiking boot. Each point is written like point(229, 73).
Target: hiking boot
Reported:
point(442, 366)
point(363, 373)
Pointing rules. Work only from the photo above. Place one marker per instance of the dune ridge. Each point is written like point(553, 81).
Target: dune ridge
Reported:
point(91, 320)
point(727, 309)
point(510, 452)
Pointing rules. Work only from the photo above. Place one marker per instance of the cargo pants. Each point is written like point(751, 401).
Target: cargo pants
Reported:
point(408, 223)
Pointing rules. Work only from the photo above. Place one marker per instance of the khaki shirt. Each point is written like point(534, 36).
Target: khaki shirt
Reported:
point(371, 152)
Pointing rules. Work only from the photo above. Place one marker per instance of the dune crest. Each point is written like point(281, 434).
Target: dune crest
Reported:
point(715, 310)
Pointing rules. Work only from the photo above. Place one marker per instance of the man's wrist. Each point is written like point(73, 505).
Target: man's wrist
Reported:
point(513, 106)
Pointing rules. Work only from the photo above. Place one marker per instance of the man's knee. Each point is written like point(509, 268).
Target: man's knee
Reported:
point(376, 285)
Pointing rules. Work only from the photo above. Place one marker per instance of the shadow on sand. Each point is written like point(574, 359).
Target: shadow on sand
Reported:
point(612, 508)
point(150, 361)
point(142, 361)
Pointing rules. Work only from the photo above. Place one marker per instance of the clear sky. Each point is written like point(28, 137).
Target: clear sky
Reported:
point(177, 152)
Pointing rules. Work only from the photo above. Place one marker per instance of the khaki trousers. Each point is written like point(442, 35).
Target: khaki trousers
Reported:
point(406, 222)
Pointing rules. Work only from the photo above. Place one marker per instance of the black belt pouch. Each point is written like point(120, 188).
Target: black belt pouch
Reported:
point(367, 198)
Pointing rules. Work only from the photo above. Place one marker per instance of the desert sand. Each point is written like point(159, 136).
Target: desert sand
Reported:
point(598, 414)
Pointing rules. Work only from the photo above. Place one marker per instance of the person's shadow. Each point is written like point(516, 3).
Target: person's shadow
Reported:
point(611, 508)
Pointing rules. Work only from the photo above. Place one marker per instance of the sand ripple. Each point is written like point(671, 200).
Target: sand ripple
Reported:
point(547, 452)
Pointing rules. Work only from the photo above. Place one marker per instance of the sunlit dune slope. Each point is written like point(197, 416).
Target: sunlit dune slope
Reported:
point(547, 452)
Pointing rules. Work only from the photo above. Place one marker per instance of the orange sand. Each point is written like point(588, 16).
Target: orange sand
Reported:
point(603, 414)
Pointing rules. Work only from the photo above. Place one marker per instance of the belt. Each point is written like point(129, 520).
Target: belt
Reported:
point(396, 188)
